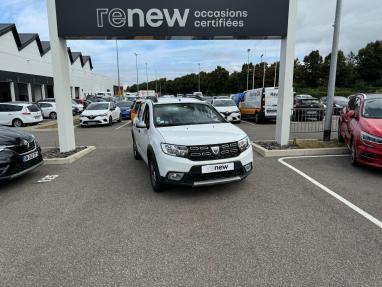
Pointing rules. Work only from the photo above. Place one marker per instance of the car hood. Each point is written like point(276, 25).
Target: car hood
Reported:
point(13, 136)
point(94, 112)
point(227, 109)
point(372, 126)
point(202, 134)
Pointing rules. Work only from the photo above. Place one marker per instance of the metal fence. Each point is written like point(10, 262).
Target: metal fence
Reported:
point(310, 120)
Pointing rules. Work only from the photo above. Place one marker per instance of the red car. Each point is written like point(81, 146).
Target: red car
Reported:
point(360, 127)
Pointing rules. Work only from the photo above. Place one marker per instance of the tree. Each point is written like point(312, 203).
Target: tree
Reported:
point(313, 69)
point(370, 63)
point(345, 70)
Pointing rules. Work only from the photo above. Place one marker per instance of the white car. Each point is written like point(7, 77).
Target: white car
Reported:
point(77, 106)
point(228, 109)
point(49, 109)
point(19, 114)
point(187, 142)
point(101, 113)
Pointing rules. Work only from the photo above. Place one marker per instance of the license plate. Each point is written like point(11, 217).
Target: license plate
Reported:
point(92, 123)
point(37, 117)
point(30, 156)
point(218, 167)
point(311, 113)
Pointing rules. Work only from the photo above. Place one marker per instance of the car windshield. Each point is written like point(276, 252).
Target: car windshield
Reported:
point(185, 114)
point(98, 106)
point(373, 109)
point(341, 100)
point(223, 103)
point(124, 104)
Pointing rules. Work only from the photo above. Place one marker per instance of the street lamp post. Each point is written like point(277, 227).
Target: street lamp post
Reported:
point(156, 82)
point(249, 50)
point(253, 75)
point(147, 82)
point(136, 65)
point(119, 81)
point(199, 78)
point(263, 70)
point(333, 72)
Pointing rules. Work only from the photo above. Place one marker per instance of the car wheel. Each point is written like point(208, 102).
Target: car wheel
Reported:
point(154, 176)
point(53, 115)
point(120, 118)
point(354, 160)
point(110, 121)
point(257, 118)
point(17, 123)
point(137, 156)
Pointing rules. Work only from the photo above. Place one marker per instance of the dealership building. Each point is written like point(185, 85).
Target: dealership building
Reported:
point(26, 69)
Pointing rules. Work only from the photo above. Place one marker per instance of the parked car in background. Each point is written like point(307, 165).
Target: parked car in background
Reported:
point(306, 107)
point(360, 127)
point(103, 113)
point(338, 104)
point(19, 153)
point(187, 142)
point(48, 109)
point(78, 106)
point(260, 103)
point(228, 109)
point(125, 107)
point(19, 114)
point(81, 102)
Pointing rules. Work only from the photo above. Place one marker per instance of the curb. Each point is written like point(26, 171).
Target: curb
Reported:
point(299, 152)
point(71, 159)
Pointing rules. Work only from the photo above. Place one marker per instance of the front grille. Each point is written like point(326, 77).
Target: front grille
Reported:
point(23, 148)
point(213, 152)
point(21, 166)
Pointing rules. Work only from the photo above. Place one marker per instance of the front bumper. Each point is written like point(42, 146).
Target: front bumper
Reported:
point(126, 115)
point(192, 170)
point(371, 156)
point(13, 166)
point(85, 121)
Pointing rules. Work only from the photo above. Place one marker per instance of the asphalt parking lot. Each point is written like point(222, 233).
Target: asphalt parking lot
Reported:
point(98, 223)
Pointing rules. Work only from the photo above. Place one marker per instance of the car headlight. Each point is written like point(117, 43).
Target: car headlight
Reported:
point(102, 115)
point(365, 137)
point(175, 150)
point(244, 144)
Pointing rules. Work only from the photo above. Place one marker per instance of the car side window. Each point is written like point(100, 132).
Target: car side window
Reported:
point(146, 116)
point(351, 104)
point(140, 111)
point(357, 106)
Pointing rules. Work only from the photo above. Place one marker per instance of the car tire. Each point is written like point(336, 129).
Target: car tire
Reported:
point(353, 150)
point(17, 123)
point(257, 118)
point(155, 177)
point(110, 121)
point(137, 156)
point(120, 118)
point(53, 115)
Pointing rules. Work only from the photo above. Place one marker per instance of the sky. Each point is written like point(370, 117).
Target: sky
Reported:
point(361, 24)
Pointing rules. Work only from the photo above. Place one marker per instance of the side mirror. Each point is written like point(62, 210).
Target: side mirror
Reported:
point(141, 125)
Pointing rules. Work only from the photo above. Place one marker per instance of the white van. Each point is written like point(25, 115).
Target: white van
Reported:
point(260, 103)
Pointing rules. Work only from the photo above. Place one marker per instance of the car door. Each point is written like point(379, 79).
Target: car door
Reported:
point(113, 108)
point(352, 123)
point(138, 131)
point(3, 115)
point(345, 119)
point(145, 131)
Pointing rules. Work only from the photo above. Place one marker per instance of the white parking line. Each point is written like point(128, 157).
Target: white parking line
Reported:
point(48, 178)
point(332, 193)
point(123, 125)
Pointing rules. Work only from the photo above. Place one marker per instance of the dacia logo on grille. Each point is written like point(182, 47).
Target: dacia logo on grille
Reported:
point(215, 150)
